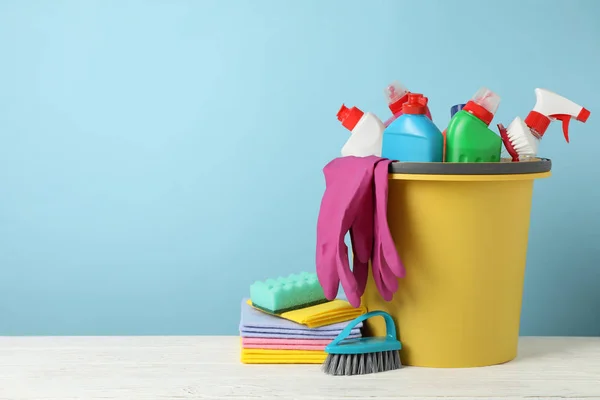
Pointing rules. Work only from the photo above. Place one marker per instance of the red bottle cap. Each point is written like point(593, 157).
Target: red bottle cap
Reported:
point(416, 104)
point(479, 111)
point(396, 106)
point(349, 117)
point(538, 122)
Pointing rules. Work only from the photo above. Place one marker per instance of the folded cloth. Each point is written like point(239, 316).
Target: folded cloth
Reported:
point(260, 356)
point(252, 318)
point(307, 332)
point(284, 344)
point(255, 323)
point(259, 341)
point(321, 315)
point(293, 335)
point(300, 331)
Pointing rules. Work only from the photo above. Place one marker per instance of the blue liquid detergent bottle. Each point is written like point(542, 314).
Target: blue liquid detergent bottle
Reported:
point(413, 137)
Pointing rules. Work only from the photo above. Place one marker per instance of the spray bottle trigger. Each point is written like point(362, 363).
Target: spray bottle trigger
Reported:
point(565, 118)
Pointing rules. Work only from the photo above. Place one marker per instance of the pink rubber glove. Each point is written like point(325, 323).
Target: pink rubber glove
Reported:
point(387, 266)
point(345, 206)
point(362, 235)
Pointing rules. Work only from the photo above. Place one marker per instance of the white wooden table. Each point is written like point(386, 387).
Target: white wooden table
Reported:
point(201, 367)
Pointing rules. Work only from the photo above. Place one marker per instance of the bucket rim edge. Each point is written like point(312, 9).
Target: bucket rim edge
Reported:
point(540, 165)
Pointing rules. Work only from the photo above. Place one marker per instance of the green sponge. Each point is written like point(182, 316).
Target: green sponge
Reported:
point(287, 293)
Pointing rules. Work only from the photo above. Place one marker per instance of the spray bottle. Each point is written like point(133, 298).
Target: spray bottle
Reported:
point(396, 95)
point(522, 138)
point(367, 132)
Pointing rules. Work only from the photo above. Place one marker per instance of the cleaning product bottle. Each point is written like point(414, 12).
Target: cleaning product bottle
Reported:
point(396, 95)
point(522, 138)
point(468, 138)
point(413, 137)
point(453, 110)
point(367, 132)
point(456, 108)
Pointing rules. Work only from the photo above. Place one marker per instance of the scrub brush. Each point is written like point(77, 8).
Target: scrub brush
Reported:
point(519, 143)
point(364, 355)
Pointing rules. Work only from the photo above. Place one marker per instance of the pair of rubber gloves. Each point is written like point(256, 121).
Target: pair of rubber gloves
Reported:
point(355, 201)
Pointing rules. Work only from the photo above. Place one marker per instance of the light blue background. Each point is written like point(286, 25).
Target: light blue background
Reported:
point(157, 157)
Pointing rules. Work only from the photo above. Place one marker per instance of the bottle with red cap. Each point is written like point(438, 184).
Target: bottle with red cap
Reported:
point(413, 137)
point(367, 132)
point(468, 138)
point(396, 95)
point(522, 137)
point(453, 110)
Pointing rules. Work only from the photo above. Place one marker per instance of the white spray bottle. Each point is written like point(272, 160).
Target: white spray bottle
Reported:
point(522, 138)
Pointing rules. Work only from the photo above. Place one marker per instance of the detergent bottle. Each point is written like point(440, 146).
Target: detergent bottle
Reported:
point(468, 138)
point(456, 108)
point(367, 132)
point(413, 137)
point(396, 95)
point(522, 138)
point(453, 110)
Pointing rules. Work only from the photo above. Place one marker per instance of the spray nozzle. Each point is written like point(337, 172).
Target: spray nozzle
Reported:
point(551, 106)
point(565, 118)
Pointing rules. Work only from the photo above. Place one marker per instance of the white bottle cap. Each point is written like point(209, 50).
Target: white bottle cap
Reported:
point(394, 92)
point(487, 99)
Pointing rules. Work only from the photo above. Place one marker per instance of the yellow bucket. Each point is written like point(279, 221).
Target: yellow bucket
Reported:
point(461, 230)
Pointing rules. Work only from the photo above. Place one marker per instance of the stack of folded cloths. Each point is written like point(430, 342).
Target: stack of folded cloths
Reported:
point(294, 337)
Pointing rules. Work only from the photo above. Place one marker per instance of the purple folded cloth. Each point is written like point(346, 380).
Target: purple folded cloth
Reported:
point(292, 335)
point(252, 318)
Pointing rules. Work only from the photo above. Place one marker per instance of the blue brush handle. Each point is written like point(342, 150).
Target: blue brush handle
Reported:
point(390, 327)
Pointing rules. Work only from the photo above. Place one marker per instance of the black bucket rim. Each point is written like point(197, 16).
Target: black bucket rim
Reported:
point(536, 166)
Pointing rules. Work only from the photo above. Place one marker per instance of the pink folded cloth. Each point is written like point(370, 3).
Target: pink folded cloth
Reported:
point(284, 344)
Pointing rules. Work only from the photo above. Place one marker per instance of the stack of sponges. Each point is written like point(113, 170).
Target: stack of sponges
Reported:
point(287, 321)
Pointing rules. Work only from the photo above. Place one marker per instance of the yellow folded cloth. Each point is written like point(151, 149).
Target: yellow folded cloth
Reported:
point(264, 356)
point(323, 314)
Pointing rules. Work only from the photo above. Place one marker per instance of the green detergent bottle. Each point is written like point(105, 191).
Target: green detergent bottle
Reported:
point(468, 138)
